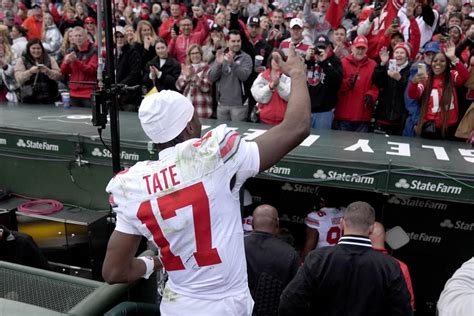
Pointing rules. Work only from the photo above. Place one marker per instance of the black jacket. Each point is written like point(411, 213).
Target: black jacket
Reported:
point(171, 70)
point(324, 81)
point(145, 55)
point(269, 261)
point(20, 248)
point(129, 73)
point(349, 279)
point(391, 105)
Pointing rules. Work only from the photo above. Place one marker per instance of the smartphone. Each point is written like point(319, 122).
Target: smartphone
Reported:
point(40, 65)
point(277, 27)
point(396, 21)
point(421, 68)
point(176, 28)
point(392, 65)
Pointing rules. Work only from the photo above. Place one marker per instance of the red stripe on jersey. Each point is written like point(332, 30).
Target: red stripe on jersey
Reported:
point(310, 220)
point(229, 144)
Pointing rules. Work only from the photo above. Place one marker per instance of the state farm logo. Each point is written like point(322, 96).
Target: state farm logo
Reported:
point(411, 201)
point(447, 224)
point(96, 152)
point(319, 174)
point(424, 237)
point(299, 188)
point(458, 225)
point(342, 176)
point(428, 186)
point(37, 145)
point(21, 143)
point(402, 184)
point(3, 141)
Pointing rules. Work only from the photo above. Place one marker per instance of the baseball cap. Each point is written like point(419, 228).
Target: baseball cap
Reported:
point(464, 2)
point(164, 115)
point(322, 41)
point(253, 20)
point(216, 27)
point(120, 29)
point(289, 15)
point(145, 6)
point(35, 5)
point(360, 41)
point(296, 22)
point(432, 47)
point(89, 19)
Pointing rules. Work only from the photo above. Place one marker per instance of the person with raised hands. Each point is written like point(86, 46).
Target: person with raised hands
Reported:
point(436, 90)
point(187, 202)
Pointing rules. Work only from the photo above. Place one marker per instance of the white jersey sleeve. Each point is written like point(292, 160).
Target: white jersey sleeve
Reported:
point(184, 203)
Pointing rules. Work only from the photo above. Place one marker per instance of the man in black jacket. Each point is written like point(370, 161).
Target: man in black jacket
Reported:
point(324, 80)
point(128, 71)
point(350, 278)
point(271, 262)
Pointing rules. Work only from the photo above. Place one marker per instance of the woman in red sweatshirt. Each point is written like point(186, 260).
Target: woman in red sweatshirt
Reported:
point(437, 94)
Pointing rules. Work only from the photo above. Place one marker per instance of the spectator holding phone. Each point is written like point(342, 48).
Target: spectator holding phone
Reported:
point(391, 76)
point(180, 44)
point(38, 74)
point(163, 70)
point(357, 94)
point(215, 41)
point(437, 94)
point(194, 82)
point(168, 25)
point(324, 79)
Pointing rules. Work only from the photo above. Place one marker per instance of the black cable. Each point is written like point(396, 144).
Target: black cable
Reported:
point(99, 130)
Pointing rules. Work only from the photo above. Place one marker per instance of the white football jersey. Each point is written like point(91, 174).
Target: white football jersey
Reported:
point(184, 204)
point(328, 223)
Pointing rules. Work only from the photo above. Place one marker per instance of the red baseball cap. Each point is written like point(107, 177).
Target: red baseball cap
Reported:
point(145, 6)
point(360, 41)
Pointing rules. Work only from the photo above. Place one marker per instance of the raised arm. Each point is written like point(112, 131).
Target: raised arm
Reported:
point(279, 140)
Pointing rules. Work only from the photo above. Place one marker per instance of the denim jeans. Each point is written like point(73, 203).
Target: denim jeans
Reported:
point(361, 127)
point(322, 120)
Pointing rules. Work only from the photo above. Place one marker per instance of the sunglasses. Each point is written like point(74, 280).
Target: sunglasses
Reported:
point(119, 36)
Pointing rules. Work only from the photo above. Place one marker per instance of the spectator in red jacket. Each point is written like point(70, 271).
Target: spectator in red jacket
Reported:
point(80, 65)
point(377, 237)
point(357, 94)
point(436, 89)
point(165, 28)
point(34, 23)
point(179, 44)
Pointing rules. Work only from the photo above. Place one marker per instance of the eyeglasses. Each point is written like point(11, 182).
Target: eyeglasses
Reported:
point(119, 36)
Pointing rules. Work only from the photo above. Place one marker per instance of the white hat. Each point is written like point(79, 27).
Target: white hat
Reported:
point(296, 21)
point(120, 29)
point(164, 115)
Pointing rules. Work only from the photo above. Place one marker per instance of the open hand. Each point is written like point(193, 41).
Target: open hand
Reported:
point(294, 64)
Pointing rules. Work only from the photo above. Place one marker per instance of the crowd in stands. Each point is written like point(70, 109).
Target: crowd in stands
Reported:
point(390, 66)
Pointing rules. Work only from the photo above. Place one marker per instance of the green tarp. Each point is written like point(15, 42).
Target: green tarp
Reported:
point(387, 164)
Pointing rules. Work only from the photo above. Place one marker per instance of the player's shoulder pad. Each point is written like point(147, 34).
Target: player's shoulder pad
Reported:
point(223, 140)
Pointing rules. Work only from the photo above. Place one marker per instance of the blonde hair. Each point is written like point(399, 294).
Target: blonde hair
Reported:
point(126, 28)
point(191, 48)
point(66, 41)
point(138, 35)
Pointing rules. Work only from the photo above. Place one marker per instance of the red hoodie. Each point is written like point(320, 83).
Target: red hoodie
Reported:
point(84, 68)
point(350, 105)
point(433, 111)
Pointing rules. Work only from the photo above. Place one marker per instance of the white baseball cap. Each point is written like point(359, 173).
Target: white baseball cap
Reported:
point(296, 22)
point(164, 115)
